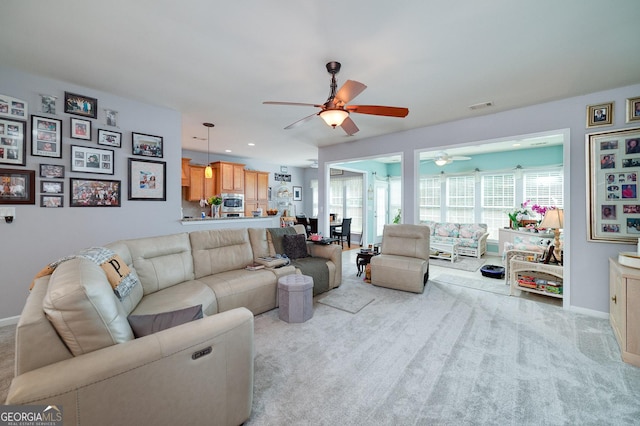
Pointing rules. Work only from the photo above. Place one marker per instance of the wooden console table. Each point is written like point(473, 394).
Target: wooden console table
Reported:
point(519, 267)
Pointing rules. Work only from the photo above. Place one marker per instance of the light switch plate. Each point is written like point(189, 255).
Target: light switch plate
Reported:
point(7, 211)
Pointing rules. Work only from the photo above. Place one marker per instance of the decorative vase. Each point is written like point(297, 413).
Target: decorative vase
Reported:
point(215, 210)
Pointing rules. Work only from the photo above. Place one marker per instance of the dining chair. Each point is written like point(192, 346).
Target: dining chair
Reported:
point(343, 232)
point(313, 225)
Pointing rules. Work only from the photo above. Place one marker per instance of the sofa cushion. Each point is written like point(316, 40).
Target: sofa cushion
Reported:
point(179, 296)
point(406, 240)
point(143, 325)
point(161, 262)
point(447, 229)
point(83, 309)
point(295, 246)
point(254, 290)
point(220, 250)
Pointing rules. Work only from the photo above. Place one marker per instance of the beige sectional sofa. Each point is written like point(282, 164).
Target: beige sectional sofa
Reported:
point(76, 349)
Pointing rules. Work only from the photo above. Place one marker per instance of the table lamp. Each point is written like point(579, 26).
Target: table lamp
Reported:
point(554, 219)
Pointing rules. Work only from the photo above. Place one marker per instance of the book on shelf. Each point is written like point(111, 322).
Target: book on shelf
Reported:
point(254, 266)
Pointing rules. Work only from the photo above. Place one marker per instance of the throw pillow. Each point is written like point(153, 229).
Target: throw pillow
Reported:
point(275, 237)
point(295, 246)
point(143, 325)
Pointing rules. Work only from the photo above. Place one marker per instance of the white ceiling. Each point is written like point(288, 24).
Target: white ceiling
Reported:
point(218, 61)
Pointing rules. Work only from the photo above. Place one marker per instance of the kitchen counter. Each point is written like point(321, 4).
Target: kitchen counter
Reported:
point(233, 222)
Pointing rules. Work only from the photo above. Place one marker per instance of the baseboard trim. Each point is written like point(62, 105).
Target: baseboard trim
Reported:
point(9, 321)
point(590, 312)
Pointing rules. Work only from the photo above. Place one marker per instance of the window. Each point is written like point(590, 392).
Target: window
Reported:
point(430, 189)
point(395, 197)
point(544, 188)
point(345, 199)
point(460, 199)
point(498, 196)
point(314, 197)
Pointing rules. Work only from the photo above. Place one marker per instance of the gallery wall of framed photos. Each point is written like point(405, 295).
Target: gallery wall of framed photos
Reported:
point(74, 135)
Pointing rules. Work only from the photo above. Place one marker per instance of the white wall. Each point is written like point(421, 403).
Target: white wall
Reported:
point(39, 235)
point(588, 261)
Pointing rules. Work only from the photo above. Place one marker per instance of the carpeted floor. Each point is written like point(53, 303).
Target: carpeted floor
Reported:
point(463, 263)
point(450, 356)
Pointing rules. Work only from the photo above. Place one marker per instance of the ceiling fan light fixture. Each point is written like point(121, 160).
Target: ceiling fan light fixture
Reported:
point(440, 162)
point(334, 117)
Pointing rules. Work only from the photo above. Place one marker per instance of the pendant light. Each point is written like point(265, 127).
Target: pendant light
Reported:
point(208, 172)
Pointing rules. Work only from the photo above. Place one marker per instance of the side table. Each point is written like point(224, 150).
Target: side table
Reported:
point(522, 268)
point(362, 260)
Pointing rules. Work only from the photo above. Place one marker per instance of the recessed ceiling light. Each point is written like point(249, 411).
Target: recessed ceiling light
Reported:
point(516, 144)
point(227, 150)
point(251, 144)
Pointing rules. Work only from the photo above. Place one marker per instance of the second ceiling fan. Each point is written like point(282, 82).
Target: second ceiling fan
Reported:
point(335, 111)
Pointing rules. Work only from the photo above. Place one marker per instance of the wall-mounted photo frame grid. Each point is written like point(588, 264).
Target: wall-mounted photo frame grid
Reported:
point(613, 193)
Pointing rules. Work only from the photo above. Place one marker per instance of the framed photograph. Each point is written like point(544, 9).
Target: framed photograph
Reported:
point(17, 186)
point(13, 143)
point(335, 172)
point(80, 129)
point(147, 180)
point(94, 193)
point(46, 137)
point(111, 117)
point(91, 160)
point(51, 201)
point(80, 105)
point(48, 104)
point(297, 193)
point(109, 138)
point(51, 171)
point(600, 115)
point(147, 145)
point(13, 108)
point(613, 160)
point(51, 187)
point(633, 109)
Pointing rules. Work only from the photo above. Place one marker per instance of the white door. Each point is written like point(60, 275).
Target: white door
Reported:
point(380, 213)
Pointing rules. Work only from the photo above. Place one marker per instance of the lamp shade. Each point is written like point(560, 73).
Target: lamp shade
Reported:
point(334, 117)
point(553, 219)
point(208, 172)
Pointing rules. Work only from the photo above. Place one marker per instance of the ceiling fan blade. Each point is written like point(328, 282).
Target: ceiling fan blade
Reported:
point(349, 90)
point(301, 121)
point(388, 111)
point(291, 103)
point(349, 126)
point(459, 158)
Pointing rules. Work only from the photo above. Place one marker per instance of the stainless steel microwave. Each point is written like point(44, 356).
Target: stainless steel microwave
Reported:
point(232, 203)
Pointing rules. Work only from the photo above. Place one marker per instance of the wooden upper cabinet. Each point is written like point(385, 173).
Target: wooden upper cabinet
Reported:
point(186, 176)
point(263, 186)
point(256, 191)
point(230, 177)
point(200, 187)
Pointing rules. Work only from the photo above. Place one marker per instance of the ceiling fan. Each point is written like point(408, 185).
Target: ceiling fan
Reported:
point(442, 158)
point(335, 111)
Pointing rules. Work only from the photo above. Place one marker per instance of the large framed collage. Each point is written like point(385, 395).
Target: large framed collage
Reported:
point(613, 168)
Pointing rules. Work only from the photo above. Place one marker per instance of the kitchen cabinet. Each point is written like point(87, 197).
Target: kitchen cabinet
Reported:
point(624, 309)
point(186, 177)
point(199, 186)
point(230, 177)
point(256, 191)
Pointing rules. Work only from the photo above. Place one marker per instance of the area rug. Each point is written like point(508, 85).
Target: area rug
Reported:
point(468, 264)
point(348, 300)
point(487, 284)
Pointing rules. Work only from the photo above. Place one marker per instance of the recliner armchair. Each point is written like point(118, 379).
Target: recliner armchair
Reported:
point(404, 260)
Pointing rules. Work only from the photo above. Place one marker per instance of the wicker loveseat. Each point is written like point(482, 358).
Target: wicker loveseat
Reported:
point(471, 237)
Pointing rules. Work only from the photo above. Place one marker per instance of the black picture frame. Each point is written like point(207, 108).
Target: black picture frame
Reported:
point(52, 171)
point(17, 186)
point(147, 180)
point(297, 193)
point(109, 138)
point(147, 145)
point(52, 186)
point(13, 145)
point(92, 160)
point(94, 193)
point(80, 129)
point(84, 106)
point(46, 137)
point(51, 201)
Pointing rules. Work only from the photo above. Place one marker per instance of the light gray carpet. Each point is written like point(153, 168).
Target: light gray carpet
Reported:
point(469, 264)
point(7, 355)
point(492, 285)
point(450, 356)
point(346, 299)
